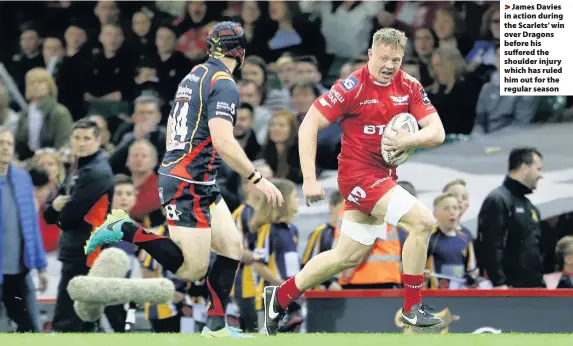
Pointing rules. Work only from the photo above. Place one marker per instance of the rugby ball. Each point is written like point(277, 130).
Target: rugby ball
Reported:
point(405, 121)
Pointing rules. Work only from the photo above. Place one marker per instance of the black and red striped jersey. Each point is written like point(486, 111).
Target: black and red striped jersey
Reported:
point(207, 92)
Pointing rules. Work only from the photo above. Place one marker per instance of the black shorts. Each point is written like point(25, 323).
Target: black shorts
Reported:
point(187, 204)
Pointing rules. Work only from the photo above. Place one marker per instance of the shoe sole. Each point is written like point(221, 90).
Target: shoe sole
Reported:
point(437, 325)
point(264, 296)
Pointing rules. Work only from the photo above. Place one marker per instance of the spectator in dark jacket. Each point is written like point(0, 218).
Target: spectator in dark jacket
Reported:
point(454, 93)
point(495, 112)
point(82, 202)
point(244, 132)
point(146, 118)
point(288, 30)
point(509, 232)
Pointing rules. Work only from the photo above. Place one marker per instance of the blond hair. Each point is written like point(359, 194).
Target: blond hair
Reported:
point(389, 37)
point(265, 213)
point(442, 197)
point(452, 59)
point(564, 246)
point(43, 75)
point(54, 155)
point(454, 183)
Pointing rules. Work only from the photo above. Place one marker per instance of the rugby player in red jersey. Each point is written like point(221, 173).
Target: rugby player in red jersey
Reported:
point(364, 103)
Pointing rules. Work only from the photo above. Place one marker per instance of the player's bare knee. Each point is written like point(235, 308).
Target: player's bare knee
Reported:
point(420, 221)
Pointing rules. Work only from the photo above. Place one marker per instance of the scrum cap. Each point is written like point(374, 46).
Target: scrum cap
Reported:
point(227, 39)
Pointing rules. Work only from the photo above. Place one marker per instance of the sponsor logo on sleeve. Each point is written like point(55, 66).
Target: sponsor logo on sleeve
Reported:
point(192, 78)
point(410, 78)
point(349, 83)
point(323, 102)
point(223, 106)
point(334, 96)
point(225, 109)
point(184, 93)
point(424, 96)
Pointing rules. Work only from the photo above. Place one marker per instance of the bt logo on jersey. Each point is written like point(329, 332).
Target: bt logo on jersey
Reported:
point(374, 129)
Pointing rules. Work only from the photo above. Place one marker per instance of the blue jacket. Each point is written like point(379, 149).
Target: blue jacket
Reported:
point(34, 255)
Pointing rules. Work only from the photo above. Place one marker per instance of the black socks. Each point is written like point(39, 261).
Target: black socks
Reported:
point(220, 282)
point(161, 248)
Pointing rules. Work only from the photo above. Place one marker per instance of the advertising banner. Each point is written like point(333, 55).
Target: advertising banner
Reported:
point(464, 311)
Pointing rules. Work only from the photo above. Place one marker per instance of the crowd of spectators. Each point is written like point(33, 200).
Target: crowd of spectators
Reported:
point(77, 59)
point(119, 63)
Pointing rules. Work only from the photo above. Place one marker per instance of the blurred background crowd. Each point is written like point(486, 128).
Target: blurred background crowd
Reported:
point(119, 64)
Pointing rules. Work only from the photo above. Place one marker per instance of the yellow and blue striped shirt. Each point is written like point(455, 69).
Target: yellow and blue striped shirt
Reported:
point(277, 248)
point(245, 280)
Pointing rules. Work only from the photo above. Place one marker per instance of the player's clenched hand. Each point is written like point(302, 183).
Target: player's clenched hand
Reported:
point(396, 141)
point(274, 196)
point(313, 191)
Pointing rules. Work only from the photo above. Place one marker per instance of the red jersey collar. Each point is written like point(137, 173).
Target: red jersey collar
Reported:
point(374, 80)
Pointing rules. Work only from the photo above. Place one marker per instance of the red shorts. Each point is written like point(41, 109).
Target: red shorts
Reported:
point(362, 189)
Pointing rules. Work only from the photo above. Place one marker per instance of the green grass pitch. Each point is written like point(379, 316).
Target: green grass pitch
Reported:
point(288, 340)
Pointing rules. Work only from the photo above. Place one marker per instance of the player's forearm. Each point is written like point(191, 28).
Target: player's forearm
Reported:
point(231, 152)
point(266, 273)
point(428, 136)
point(307, 144)
point(247, 256)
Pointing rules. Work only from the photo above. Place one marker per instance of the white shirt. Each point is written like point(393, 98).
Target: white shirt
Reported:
point(35, 123)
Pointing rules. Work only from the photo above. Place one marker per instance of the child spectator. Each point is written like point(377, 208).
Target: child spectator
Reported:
point(450, 252)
